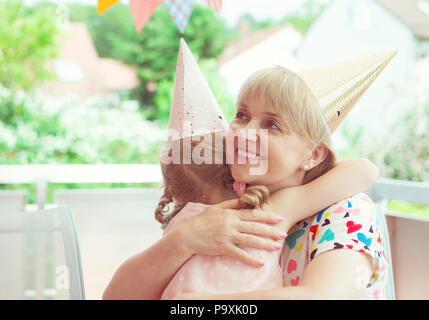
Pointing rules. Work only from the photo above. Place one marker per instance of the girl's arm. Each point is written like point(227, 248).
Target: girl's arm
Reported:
point(348, 177)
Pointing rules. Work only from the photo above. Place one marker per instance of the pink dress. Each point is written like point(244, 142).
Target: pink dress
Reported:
point(221, 274)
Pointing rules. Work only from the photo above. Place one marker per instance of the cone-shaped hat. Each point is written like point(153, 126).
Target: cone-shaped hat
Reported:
point(194, 109)
point(339, 87)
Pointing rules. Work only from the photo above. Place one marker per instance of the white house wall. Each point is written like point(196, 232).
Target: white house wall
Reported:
point(351, 29)
point(276, 49)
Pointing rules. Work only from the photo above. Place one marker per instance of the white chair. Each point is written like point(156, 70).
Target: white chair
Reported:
point(113, 224)
point(40, 256)
point(12, 201)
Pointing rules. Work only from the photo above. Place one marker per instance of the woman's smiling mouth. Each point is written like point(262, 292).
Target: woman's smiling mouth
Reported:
point(244, 155)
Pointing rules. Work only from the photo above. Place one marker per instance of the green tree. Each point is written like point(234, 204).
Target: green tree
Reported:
point(27, 40)
point(403, 154)
point(305, 15)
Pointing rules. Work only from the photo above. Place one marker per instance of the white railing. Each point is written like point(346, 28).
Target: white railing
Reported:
point(408, 236)
point(43, 174)
point(417, 192)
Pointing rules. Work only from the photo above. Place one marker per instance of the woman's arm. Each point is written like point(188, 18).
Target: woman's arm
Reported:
point(345, 275)
point(348, 177)
point(145, 275)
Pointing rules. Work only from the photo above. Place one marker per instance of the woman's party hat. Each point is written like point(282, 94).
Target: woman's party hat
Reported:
point(339, 87)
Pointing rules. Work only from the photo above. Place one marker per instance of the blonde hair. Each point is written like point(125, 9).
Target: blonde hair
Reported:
point(287, 93)
point(182, 182)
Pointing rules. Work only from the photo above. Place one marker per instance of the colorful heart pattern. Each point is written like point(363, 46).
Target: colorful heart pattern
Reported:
point(327, 236)
point(348, 224)
point(291, 239)
point(361, 237)
point(295, 282)
point(291, 266)
point(352, 227)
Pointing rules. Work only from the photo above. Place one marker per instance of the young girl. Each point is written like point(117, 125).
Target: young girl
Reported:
point(191, 188)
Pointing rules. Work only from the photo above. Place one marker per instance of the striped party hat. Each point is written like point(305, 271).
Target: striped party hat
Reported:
point(339, 87)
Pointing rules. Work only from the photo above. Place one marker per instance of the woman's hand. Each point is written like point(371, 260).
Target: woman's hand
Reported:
point(219, 229)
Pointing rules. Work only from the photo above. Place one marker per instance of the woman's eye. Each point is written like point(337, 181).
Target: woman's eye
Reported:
point(272, 125)
point(240, 115)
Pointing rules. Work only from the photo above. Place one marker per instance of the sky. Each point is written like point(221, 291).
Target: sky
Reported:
point(232, 9)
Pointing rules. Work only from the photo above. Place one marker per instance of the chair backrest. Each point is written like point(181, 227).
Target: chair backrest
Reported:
point(40, 256)
point(113, 224)
point(12, 201)
point(381, 208)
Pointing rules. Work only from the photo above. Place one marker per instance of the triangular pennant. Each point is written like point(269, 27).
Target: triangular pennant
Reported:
point(180, 11)
point(194, 109)
point(142, 11)
point(215, 4)
point(339, 87)
point(104, 5)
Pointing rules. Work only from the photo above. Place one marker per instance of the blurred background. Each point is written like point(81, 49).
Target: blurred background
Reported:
point(78, 88)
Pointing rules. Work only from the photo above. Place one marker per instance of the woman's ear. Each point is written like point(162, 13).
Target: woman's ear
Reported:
point(319, 154)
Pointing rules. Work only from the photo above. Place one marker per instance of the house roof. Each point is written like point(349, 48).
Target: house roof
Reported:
point(89, 74)
point(414, 13)
point(117, 75)
point(237, 47)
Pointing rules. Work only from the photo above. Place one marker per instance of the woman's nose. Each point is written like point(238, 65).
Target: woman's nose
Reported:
point(248, 132)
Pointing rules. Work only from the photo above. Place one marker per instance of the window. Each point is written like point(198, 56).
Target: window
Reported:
point(69, 71)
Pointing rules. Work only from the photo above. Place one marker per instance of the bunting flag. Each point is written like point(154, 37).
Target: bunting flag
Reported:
point(142, 11)
point(215, 4)
point(180, 11)
point(104, 5)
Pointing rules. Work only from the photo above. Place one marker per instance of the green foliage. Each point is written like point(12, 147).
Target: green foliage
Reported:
point(301, 18)
point(37, 130)
point(409, 208)
point(44, 131)
point(403, 154)
point(27, 41)
point(408, 157)
point(305, 15)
